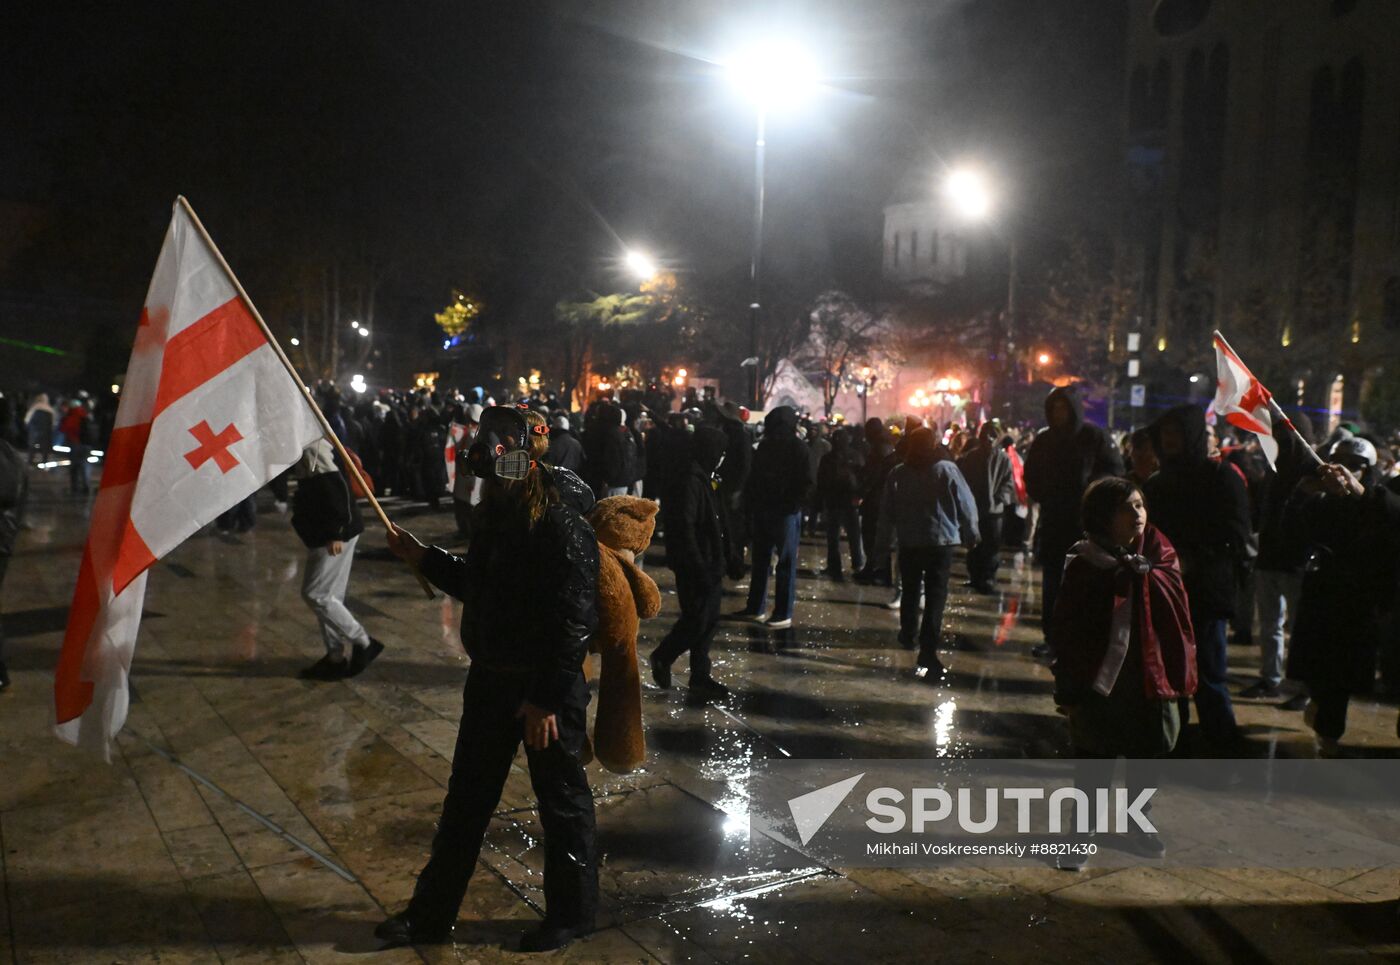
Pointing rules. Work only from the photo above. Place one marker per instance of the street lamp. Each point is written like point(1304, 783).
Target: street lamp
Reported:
point(772, 74)
point(971, 196)
point(639, 265)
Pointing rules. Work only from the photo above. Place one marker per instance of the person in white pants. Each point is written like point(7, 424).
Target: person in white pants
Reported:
point(327, 518)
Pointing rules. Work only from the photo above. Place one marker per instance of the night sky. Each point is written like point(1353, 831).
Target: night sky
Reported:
point(515, 148)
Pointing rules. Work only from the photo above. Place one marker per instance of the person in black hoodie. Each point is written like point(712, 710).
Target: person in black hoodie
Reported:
point(1201, 506)
point(695, 553)
point(738, 463)
point(529, 586)
point(987, 469)
point(327, 519)
point(778, 485)
point(879, 457)
point(838, 488)
point(1063, 460)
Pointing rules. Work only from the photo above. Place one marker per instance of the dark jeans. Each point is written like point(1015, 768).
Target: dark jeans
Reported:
point(700, 602)
point(774, 532)
point(1212, 691)
point(1330, 705)
point(838, 518)
point(984, 558)
point(924, 569)
point(487, 740)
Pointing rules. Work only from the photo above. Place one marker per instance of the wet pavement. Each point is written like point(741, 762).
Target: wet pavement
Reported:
point(252, 816)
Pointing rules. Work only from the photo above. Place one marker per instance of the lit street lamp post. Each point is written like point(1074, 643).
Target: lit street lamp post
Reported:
point(769, 74)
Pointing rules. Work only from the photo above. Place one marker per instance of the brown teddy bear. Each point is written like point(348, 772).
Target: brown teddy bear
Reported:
point(626, 596)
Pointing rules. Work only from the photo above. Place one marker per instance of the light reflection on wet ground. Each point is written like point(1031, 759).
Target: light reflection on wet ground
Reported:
point(357, 769)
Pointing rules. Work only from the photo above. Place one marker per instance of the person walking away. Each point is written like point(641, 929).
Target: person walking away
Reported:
point(528, 586)
point(327, 519)
point(879, 460)
point(1201, 506)
point(1278, 569)
point(1351, 522)
point(987, 469)
point(39, 424)
point(1124, 646)
point(14, 494)
point(564, 450)
point(734, 477)
point(838, 489)
point(695, 553)
point(928, 506)
point(1063, 460)
point(777, 489)
point(80, 431)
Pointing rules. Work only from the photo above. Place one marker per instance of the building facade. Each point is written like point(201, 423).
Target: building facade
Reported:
point(1263, 159)
point(923, 244)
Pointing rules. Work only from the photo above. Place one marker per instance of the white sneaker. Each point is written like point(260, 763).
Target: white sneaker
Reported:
point(760, 618)
point(780, 624)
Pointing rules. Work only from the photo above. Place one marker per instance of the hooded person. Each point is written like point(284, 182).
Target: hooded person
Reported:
point(987, 469)
point(529, 588)
point(1349, 521)
point(928, 507)
point(1202, 507)
point(695, 553)
point(734, 476)
point(565, 451)
point(327, 518)
point(838, 488)
point(879, 458)
point(777, 489)
point(1063, 460)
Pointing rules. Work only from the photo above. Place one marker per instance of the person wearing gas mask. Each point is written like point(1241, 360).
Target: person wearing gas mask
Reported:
point(528, 585)
point(695, 553)
point(1350, 522)
point(327, 518)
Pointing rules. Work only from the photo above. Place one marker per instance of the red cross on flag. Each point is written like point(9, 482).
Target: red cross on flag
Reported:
point(208, 415)
point(1242, 399)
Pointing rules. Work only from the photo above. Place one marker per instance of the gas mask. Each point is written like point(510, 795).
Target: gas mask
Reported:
point(501, 449)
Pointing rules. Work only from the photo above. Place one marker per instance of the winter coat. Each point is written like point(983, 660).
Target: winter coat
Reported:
point(14, 493)
point(926, 502)
point(564, 451)
point(1348, 583)
point(529, 595)
point(1282, 547)
point(1154, 609)
point(838, 476)
point(323, 512)
point(782, 469)
point(987, 469)
point(690, 508)
point(738, 457)
point(1202, 507)
point(1061, 464)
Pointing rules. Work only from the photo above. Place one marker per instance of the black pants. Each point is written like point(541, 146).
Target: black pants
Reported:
point(924, 569)
point(1331, 704)
point(843, 517)
point(983, 559)
point(4, 565)
point(489, 736)
point(734, 528)
point(700, 602)
point(1052, 561)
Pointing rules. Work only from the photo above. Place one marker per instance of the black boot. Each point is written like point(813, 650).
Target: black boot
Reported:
point(547, 937)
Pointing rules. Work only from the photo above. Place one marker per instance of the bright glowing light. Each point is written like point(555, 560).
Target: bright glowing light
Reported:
point(1162, 344)
point(865, 372)
point(678, 380)
point(969, 193)
point(116, 389)
point(357, 383)
point(955, 384)
point(1043, 358)
point(774, 73)
point(682, 373)
point(296, 341)
point(1195, 379)
point(364, 332)
point(640, 265)
point(942, 385)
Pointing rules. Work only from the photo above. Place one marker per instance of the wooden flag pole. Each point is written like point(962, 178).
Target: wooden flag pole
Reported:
point(1276, 410)
point(345, 459)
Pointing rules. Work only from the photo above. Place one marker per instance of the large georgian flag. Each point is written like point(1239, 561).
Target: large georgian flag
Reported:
point(1242, 399)
point(208, 415)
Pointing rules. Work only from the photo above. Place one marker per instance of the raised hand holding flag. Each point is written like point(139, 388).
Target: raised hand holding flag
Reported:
point(1246, 404)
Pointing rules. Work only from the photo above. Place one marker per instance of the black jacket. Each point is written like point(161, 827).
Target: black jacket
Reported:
point(322, 510)
point(1061, 464)
point(782, 467)
point(987, 469)
point(529, 595)
point(564, 451)
point(690, 512)
point(14, 492)
point(738, 457)
point(1201, 506)
point(839, 474)
point(1282, 547)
